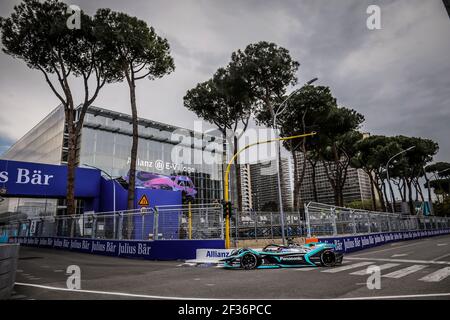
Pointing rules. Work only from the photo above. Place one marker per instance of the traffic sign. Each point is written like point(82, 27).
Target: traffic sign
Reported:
point(143, 202)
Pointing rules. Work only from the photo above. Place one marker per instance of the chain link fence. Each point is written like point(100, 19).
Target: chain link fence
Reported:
point(159, 223)
point(207, 222)
point(266, 225)
point(327, 220)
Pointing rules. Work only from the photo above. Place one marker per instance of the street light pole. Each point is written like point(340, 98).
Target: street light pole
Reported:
point(280, 110)
point(227, 174)
point(387, 170)
point(114, 194)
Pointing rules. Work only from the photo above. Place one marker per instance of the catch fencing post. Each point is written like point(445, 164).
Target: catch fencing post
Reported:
point(94, 225)
point(369, 229)
point(271, 224)
point(308, 223)
point(155, 223)
point(143, 211)
point(120, 214)
point(190, 220)
point(255, 222)
point(352, 213)
point(333, 216)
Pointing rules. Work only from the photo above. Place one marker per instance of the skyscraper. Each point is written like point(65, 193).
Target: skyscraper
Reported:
point(259, 186)
point(356, 187)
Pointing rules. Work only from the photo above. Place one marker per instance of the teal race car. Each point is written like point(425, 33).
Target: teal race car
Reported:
point(284, 256)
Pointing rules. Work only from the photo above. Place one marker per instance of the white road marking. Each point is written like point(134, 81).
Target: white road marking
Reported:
point(399, 255)
point(347, 267)
point(401, 260)
point(187, 298)
point(383, 250)
point(441, 257)
point(442, 244)
point(106, 292)
point(405, 271)
point(58, 270)
point(398, 297)
point(382, 267)
point(437, 275)
point(306, 269)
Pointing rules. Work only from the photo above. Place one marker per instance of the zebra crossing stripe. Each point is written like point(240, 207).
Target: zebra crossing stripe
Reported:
point(382, 267)
point(347, 267)
point(437, 275)
point(405, 271)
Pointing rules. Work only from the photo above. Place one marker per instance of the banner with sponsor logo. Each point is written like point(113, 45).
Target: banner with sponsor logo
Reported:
point(360, 242)
point(151, 250)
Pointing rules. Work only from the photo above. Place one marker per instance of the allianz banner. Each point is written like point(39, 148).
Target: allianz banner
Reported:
point(44, 180)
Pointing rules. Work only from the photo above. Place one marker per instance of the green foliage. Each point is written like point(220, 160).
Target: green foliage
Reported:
point(360, 204)
point(441, 168)
point(223, 100)
point(134, 47)
point(307, 110)
point(267, 70)
point(441, 186)
point(417, 158)
point(442, 208)
point(36, 33)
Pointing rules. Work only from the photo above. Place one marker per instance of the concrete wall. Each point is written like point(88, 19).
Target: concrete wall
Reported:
point(9, 254)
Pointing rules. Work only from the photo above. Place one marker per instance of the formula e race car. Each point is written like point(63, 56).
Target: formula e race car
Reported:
point(281, 256)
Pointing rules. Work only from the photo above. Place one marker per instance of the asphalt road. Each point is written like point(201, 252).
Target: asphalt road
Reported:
point(418, 269)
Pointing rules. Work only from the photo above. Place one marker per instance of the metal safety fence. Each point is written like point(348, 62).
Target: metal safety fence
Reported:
point(327, 220)
point(207, 221)
point(159, 223)
point(266, 225)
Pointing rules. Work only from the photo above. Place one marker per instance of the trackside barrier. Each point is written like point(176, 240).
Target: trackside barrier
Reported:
point(324, 220)
point(8, 265)
point(151, 250)
point(361, 242)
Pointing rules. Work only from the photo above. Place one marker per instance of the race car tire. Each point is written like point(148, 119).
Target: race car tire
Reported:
point(328, 258)
point(249, 261)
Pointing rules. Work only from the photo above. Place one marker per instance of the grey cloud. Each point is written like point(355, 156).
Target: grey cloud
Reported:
point(398, 77)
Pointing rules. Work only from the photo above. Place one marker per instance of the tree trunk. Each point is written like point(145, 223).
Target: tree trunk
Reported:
point(296, 186)
point(419, 189)
point(238, 175)
point(380, 193)
point(372, 190)
point(338, 197)
point(134, 149)
point(392, 194)
point(410, 200)
point(428, 188)
point(313, 178)
point(388, 204)
point(71, 159)
point(280, 170)
point(224, 160)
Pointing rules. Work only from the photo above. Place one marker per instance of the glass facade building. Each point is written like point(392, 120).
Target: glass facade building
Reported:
point(105, 142)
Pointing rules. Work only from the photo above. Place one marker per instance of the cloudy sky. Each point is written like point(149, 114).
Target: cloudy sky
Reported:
point(398, 77)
